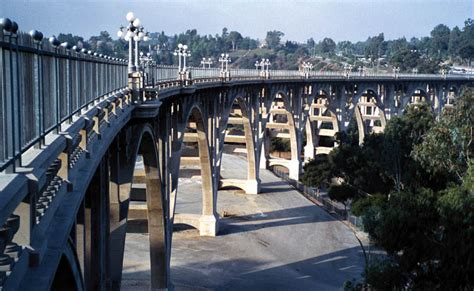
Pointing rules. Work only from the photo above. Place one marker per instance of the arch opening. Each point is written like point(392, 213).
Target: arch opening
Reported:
point(281, 138)
point(194, 174)
point(238, 151)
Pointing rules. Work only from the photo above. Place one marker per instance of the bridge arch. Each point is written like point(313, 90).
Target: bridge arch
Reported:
point(68, 274)
point(140, 140)
point(321, 121)
point(207, 221)
point(252, 184)
point(368, 111)
point(416, 95)
point(280, 106)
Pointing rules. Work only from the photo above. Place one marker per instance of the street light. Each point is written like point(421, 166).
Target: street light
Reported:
point(414, 71)
point(133, 32)
point(361, 70)
point(347, 70)
point(307, 67)
point(224, 59)
point(205, 62)
point(257, 65)
point(396, 71)
point(182, 52)
point(265, 65)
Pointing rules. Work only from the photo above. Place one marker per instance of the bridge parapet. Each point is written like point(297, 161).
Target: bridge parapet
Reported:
point(45, 84)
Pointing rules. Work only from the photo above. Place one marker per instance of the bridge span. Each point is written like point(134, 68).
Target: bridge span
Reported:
point(74, 124)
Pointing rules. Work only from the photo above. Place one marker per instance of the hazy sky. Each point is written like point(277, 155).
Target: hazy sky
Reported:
point(299, 20)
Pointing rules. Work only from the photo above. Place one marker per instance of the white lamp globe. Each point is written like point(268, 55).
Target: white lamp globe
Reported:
point(185, 47)
point(119, 33)
point(222, 55)
point(146, 38)
point(136, 22)
point(126, 37)
point(180, 45)
point(136, 38)
point(141, 34)
point(130, 17)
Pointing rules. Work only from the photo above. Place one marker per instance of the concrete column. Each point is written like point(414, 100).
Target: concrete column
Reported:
point(309, 151)
point(294, 167)
point(264, 152)
point(96, 229)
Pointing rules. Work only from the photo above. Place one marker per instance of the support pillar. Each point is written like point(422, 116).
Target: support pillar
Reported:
point(309, 152)
point(294, 167)
point(209, 225)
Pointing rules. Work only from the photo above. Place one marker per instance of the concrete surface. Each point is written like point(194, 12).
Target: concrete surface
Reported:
point(277, 240)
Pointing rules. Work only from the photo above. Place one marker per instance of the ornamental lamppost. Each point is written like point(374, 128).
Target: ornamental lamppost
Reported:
point(141, 35)
point(396, 70)
point(182, 52)
point(146, 63)
point(347, 70)
point(133, 32)
point(414, 71)
point(224, 59)
point(443, 73)
point(307, 67)
point(257, 65)
point(265, 64)
point(361, 70)
point(205, 62)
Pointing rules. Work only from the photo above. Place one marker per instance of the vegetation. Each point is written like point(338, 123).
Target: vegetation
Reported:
point(428, 54)
point(413, 185)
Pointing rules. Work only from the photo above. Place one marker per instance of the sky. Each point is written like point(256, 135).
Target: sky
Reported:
point(298, 20)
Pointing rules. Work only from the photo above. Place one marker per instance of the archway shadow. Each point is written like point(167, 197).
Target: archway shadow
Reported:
point(284, 217)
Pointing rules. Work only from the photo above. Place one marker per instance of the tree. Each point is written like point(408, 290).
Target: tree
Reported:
point(273, 39)
point(235, 39)
point(426, 232)
point(375, 47)
point(317, 172)
point(440, 39)
point(466, 49)
point(342, 193)
point(345, 47)
point(454, 42)
point(449, 144)
point(327, 46)
point(71, 39)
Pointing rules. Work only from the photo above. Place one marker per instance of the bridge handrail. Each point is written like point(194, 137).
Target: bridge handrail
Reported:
point(43, 86)
point(160, 73)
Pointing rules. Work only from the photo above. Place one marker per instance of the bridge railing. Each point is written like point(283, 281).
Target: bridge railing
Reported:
point(162, 73)
point(42, 86)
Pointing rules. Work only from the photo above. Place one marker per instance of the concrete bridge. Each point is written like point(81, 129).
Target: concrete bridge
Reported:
point(74, 124)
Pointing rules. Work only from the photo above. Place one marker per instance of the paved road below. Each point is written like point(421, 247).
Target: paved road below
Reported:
point(277, 240)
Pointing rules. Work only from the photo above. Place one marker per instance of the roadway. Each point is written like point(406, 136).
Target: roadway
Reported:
point(277, 240)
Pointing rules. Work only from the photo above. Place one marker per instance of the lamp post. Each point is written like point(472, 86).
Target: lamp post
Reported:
point(443, 73)
point(307, 67)
point(145, 60)
point(414, 71)
point(396, 70)
point(133, 32)
point(257, 65)
point(347, 70)
point(205, 62)
point(224, 59)
point(265, 63)
point(182, 52)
